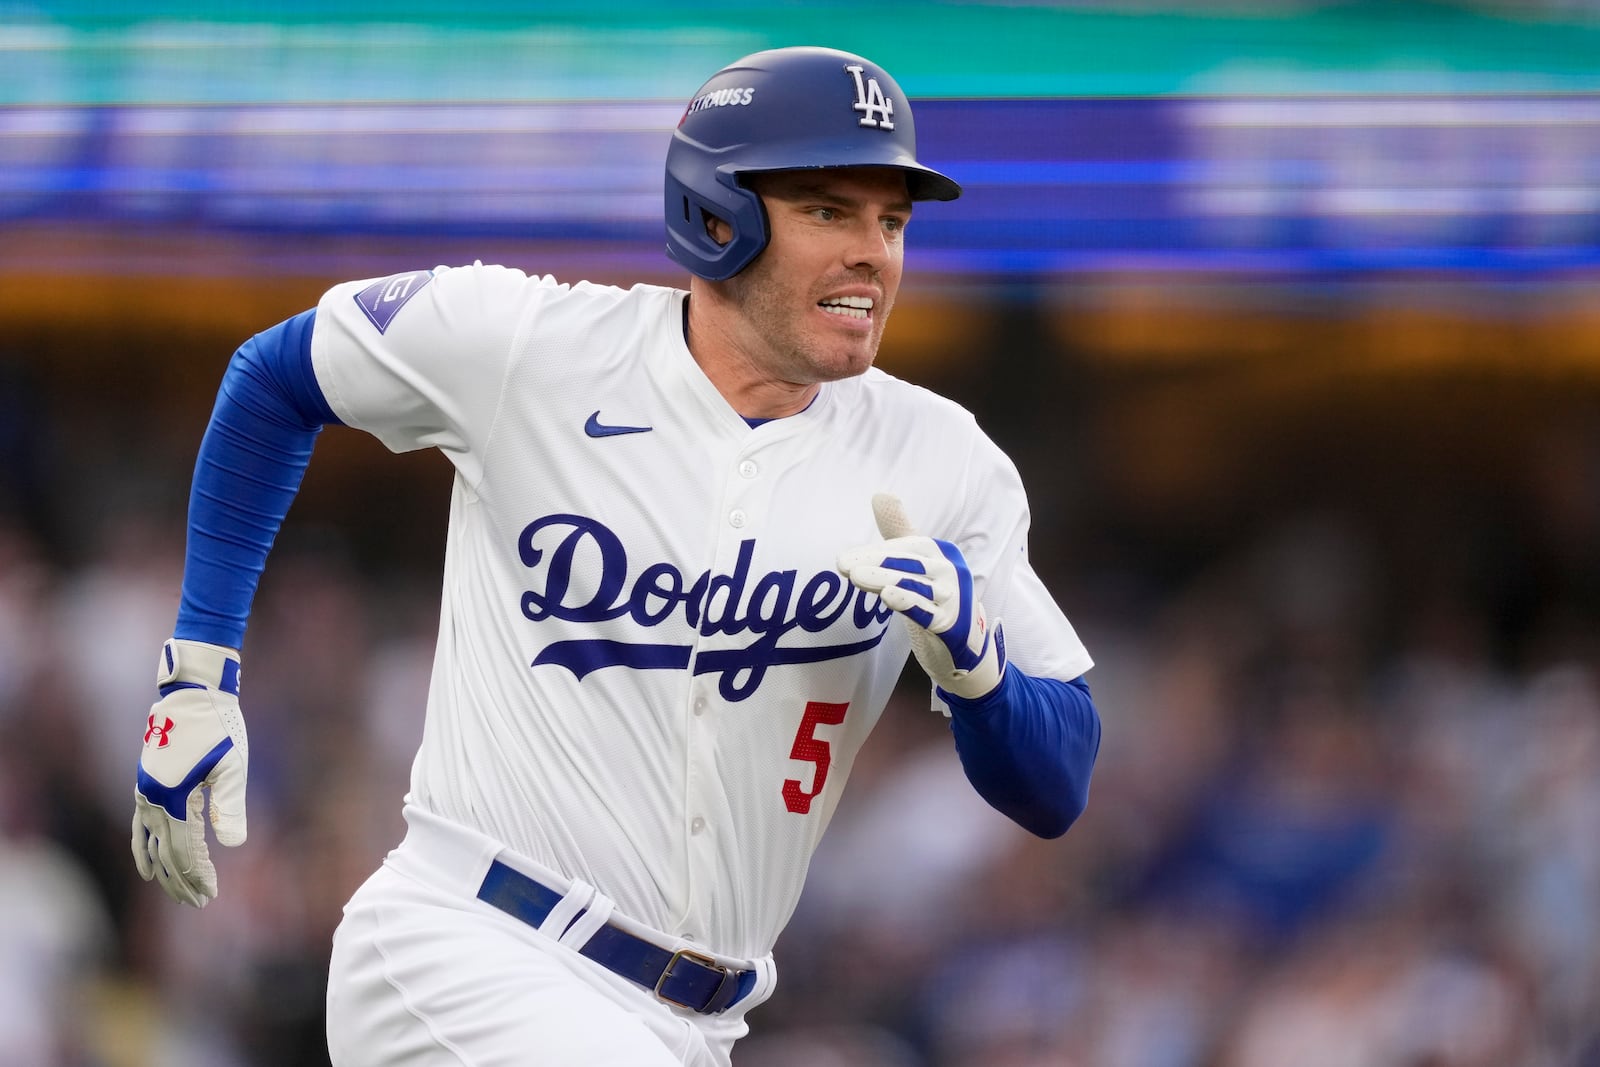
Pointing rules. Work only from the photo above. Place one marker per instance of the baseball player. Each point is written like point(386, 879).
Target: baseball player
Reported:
point(693, 537)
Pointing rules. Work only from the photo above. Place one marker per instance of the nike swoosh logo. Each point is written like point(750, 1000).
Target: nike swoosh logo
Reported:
point(595, 428)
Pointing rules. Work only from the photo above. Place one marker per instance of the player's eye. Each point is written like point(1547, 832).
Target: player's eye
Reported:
point(824, 214)
point(894, 223)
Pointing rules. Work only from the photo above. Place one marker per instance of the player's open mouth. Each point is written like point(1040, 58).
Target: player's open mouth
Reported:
point(850, 307)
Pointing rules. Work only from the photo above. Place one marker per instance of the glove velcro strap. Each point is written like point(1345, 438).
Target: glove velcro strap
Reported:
point(195, 664)
point(986, 674)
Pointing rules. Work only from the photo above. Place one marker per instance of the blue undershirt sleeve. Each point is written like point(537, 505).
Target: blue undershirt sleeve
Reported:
point(1029, 748)
point(252, 458)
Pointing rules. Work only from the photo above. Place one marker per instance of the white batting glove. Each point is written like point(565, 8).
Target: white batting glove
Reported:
point(928, 583)
point(193, 740)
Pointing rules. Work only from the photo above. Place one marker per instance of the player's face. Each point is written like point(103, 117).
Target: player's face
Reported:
point(815, 302)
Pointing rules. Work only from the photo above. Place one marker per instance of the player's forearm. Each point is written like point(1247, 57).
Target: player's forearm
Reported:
point(257, 445)
point(1029, 748)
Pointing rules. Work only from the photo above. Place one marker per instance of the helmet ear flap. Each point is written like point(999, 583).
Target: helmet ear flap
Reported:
point(689, 238)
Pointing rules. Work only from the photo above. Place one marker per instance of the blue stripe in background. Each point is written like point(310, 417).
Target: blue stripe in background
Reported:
point(1488, 184)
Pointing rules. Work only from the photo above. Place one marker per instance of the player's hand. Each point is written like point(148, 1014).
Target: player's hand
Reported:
point(194, 742)
point(928, 583)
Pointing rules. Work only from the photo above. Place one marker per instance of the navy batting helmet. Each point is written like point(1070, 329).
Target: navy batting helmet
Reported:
point(783, 109)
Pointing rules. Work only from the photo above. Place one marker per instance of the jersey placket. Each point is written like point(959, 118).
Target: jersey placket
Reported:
point(739, 514)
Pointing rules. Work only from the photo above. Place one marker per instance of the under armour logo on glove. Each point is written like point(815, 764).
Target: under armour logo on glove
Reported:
point(164, 731)
point(928, 582)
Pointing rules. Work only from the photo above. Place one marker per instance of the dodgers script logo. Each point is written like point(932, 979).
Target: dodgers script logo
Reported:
point(770, 607)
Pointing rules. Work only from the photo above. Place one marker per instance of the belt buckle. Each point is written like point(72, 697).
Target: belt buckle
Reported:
point(698, 957)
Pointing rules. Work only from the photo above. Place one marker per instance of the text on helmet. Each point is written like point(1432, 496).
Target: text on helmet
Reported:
point(721, 98)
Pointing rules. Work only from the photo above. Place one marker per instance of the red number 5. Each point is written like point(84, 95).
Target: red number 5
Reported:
point(808, 748)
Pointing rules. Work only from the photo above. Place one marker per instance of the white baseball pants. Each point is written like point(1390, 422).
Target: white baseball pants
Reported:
point(424, 974)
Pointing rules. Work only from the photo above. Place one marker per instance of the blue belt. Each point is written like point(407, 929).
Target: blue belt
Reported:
point(686, 979)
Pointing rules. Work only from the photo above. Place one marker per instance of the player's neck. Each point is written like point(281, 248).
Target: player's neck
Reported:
point(749, 388)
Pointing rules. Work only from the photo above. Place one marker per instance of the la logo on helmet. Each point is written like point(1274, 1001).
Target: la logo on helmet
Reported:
point(875, 108)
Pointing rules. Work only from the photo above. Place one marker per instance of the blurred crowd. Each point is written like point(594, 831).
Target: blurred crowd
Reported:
point(1315, 838)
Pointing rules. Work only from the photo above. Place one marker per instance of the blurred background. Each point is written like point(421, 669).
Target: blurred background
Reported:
point(1287, 311)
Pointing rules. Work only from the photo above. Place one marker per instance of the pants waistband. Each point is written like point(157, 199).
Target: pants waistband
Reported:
point(572, 912)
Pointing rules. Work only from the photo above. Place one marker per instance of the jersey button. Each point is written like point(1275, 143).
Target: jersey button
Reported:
point(699, 705)
point(736, 519)
point(698, 825)
point(748, 469)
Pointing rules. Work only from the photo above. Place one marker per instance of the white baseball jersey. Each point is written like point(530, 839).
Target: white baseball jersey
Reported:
point(649, 673)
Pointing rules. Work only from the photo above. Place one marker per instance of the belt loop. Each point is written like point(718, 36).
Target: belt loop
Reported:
point(585, 925)
point(567, 910)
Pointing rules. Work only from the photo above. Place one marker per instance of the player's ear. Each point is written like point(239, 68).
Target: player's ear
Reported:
point(718, 229)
